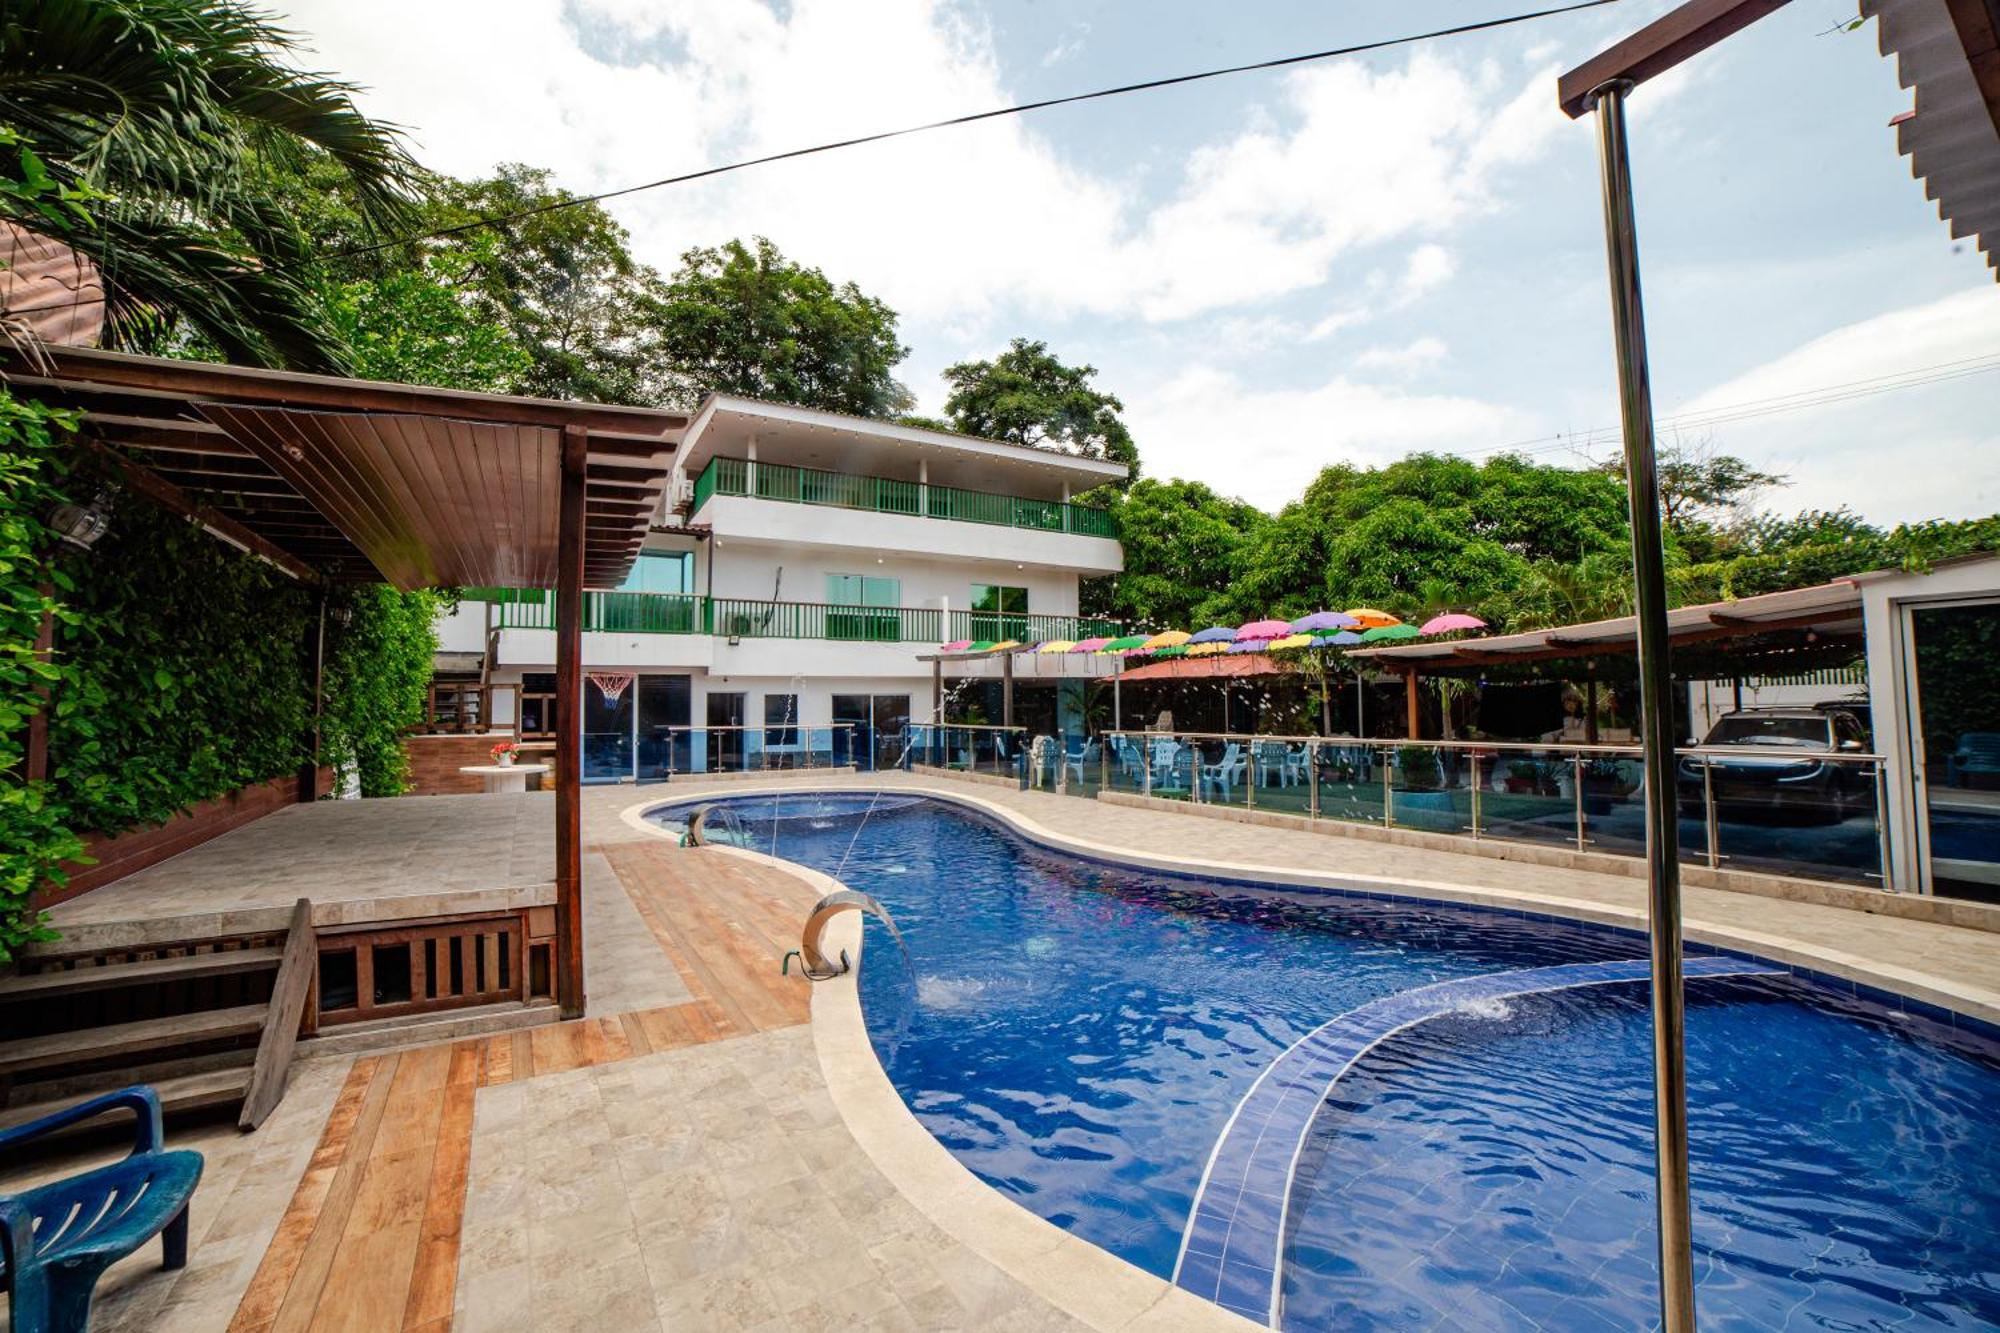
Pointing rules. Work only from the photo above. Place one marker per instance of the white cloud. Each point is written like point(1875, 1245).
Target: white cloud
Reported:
point(1418, 354)
point(1923, 451)
point(1265, 445)
point(959, 225)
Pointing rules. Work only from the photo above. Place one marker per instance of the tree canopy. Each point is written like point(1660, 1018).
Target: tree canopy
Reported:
point(1028, 396)
point(744, 319)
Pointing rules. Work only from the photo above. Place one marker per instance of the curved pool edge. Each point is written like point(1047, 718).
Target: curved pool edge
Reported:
point(1830, 964)
point(1090, 1284)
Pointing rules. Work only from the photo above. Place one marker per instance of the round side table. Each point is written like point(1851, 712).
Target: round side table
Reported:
point(505, 777)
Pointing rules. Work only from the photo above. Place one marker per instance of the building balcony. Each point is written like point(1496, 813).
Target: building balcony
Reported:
point(885, 495)
point(739, 618)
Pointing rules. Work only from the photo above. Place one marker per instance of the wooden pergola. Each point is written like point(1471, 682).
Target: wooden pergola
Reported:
point(342, 480)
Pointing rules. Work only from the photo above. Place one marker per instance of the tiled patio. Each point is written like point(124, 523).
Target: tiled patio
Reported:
point(678, 1160)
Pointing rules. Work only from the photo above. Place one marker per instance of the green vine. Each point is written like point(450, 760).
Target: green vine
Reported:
point(378, 665)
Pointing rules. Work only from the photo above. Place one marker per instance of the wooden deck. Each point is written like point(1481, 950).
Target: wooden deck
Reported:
point(370, 1240)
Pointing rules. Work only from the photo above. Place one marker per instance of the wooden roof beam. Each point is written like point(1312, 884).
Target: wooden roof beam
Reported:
point(1677, 35)
point(172, 498)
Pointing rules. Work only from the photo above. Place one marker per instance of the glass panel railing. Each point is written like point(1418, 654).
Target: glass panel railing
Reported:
point(888, 495)
point(1530, 795)
point(1347, 781)
point(1430, 789)
point(967, 748)
point(1280, 775)
point(699, 751)
point(1787, 813)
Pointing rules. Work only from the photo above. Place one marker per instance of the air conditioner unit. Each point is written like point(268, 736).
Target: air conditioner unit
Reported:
point(683, 492)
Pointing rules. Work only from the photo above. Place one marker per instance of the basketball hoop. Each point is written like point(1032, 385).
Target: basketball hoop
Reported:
point(610, 684)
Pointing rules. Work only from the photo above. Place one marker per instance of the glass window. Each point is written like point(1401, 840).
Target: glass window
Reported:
point(1797, 733)
point(857, 590)
point(661, 571)
point(996, 597)
point(781, 719)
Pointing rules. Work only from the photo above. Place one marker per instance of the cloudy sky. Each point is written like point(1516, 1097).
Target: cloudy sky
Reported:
point(1276, 271)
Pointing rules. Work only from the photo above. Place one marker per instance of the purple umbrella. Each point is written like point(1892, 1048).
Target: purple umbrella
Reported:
point(1250, 646)
point(1324, 620)
point(1345, 639)
point(1215, 634)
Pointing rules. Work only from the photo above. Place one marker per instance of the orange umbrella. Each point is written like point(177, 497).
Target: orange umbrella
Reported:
point(1370, 618)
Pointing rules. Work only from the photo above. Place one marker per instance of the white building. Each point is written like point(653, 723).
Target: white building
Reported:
point(807, 560)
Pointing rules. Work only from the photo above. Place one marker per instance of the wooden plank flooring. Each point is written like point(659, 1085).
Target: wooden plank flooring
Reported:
point(370, 1239)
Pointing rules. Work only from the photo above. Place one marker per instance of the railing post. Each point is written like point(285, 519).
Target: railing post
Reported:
point(1312, 779)
point(1388, 793)
point(1103, 760)
point(1474, 756)
point(1576, 795)
point(1146, 770)
point(1252, 772)
point(1710, 817)
point(1882, 828)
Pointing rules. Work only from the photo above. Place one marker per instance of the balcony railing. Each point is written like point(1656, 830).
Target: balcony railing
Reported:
point(882, 495)
point(741, 618)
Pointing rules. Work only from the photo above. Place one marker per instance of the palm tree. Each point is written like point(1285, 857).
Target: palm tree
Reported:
point(166, 120)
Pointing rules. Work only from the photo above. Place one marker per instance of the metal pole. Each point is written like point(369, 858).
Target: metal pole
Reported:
point(1117, 699)
point(1475, 793)
point(1711, 821)
point(1628, 326)
point(1312, 779)
point(1576, 795)
point(1882, 829)
point(1388, 795)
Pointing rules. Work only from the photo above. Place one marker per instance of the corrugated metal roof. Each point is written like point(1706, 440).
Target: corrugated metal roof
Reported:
point(1941, 48)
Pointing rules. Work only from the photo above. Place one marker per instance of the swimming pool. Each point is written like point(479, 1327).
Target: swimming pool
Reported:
point(1080, 1035)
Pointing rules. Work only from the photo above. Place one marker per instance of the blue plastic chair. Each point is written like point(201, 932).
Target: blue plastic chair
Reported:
point(57, 1239)
point(1978, 753)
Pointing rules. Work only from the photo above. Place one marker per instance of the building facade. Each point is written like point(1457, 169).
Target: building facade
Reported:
point(803, 562)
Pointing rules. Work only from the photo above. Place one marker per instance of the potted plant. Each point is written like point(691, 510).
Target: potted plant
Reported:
point(1605, 781)
point(503, 753)
point(1418, 765)
point(1524, 777)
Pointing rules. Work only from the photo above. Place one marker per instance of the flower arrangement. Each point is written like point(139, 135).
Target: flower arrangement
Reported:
point(503, 753)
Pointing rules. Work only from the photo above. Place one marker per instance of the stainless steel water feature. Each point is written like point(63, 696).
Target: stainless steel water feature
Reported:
point(818, 967)
point(726, 818)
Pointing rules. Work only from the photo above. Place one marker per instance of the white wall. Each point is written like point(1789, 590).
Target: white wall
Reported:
point(862, 531)
point(747, 569)
point(462, 629)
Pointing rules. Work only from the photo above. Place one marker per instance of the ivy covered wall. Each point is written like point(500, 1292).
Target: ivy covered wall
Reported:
point(181, 670)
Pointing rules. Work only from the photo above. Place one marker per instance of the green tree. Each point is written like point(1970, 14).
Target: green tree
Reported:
point(743, 319)
point(1027, 396)
point(1184, 547)
point(559, 278)
point(150, 115)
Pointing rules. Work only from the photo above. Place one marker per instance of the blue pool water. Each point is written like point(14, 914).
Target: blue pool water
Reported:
point(1078, 1035)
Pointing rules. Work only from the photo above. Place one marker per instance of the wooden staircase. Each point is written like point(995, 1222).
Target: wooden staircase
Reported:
point(228, 1017)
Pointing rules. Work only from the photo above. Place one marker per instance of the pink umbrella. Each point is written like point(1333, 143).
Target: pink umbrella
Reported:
point(956, 646)
point(1263, 629)
point(1450, 621)
point(1090, 645)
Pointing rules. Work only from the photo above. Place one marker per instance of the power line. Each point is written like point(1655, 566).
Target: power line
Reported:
point(1013, 109)
point(1580, 442)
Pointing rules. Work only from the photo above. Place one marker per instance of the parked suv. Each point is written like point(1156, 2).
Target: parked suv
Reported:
point(1753, 781)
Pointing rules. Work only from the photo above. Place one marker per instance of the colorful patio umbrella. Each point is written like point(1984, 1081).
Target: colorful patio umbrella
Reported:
point(982, 646)
point(1367, 617)
point(1214, 634)
point(1090, 645)
point(1249, 645)
point(1291, 641)
point(1130, 643)
point(1207, 648)
point(1002, 643)
point(1171, 650)
point(1057, 646)
point(1450, 621)
point(1172, 638)
point(956, 646)
point(1264, 630)
point(1389, 633)
point(1324, 620)
point(1347, 638)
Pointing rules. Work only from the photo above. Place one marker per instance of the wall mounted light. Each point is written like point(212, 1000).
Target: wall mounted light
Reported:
point(81, 525)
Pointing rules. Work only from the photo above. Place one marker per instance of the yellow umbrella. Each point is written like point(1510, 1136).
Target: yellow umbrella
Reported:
point(1370, 618)
point(1293, 641)
point(1008, 644)
point(1057, 646)
point(1207, 649)
point(1173, 638)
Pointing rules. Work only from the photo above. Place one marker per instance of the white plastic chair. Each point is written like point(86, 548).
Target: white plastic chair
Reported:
point(1225, 771)
point(1082, 759)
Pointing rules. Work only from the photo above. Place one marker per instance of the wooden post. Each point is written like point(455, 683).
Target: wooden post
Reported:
point(569, 726)
point(316, 648)
point(38, 722)
point(1412, 701)
point(1590, 707)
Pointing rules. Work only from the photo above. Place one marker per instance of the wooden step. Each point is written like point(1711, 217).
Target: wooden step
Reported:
point(183, 1095)
point(148, 972)
point(154, 1039)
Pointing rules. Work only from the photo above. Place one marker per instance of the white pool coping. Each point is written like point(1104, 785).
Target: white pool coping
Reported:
point(1089, 1283)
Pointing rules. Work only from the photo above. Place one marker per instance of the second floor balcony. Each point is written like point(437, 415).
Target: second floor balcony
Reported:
point(743, 618)
point(886, 495)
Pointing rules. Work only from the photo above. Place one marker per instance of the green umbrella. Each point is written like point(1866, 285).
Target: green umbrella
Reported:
point(1126, 644)
point(983, 646)
point(1174, 650)
point(1389, 633)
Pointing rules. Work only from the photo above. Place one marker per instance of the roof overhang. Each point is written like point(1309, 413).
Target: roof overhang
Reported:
point(1826, 610)
point(724, 425)
point(1947, 53)
point(358, 479)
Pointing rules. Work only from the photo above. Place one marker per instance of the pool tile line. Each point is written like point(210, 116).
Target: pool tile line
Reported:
point(1232, 1247)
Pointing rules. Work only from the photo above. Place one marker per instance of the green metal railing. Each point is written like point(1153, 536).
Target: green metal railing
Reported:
point(994, 626)
point(881, 495)
point(736, 617)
